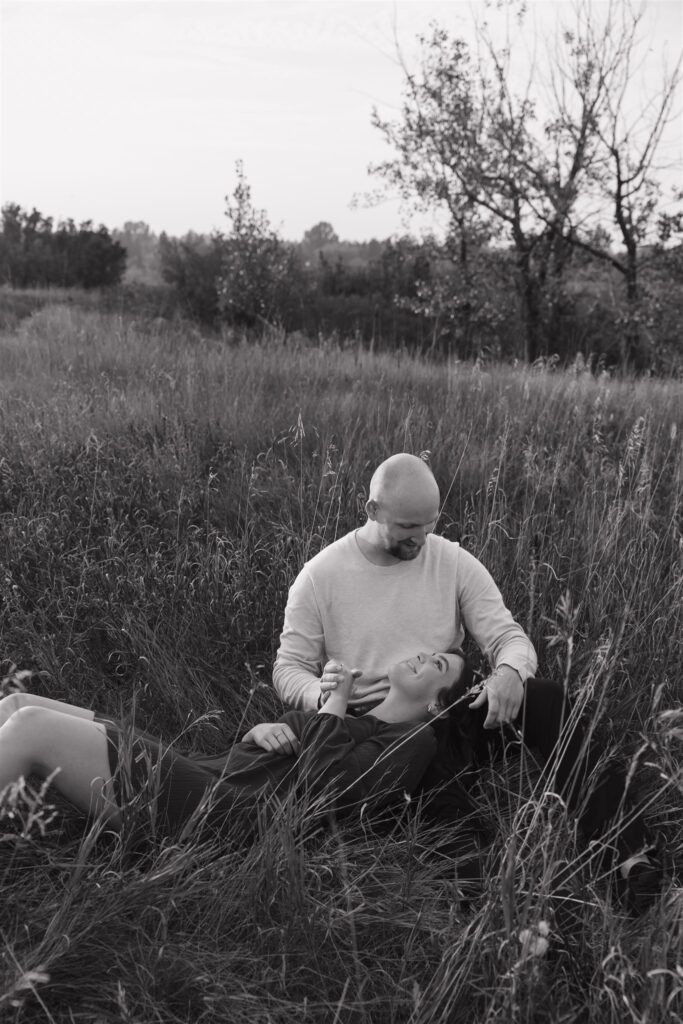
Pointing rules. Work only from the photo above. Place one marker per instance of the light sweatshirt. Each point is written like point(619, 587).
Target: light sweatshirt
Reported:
point(342, 606)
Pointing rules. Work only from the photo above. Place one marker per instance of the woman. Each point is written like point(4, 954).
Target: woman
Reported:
point(423, 734)
point(338, 761)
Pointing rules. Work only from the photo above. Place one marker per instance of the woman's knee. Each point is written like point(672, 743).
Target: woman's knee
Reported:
point(25, 735)
point(11, 703)
point(27, 732)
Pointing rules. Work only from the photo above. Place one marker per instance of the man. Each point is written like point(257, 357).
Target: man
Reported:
point(392, 587)
point(388, 589)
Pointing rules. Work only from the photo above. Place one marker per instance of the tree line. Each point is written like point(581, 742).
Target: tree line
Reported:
point(427, 295)
point(36, 253)
point(562, 240)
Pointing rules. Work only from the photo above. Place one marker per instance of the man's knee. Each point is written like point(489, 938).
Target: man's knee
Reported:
point(546, 696)
point(544, 712)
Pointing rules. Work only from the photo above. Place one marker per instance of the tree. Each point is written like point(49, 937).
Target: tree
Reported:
point(142, 247)
point(192, 265)
point(260, 275)
point(466, 140)
point(97, 261)
point(25, 247)
point(320, 235)
point(624, 180)
point(468, 301)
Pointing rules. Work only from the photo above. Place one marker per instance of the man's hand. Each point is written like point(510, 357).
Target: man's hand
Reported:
point(276, 737)
point(504, 692)
point(337, 679)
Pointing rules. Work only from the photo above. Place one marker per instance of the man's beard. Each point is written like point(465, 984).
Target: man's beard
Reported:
point(406, 553)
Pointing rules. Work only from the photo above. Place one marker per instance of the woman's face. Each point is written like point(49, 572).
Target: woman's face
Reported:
point(425, 675)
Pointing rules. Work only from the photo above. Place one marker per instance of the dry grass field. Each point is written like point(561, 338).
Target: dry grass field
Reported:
point(159, 490)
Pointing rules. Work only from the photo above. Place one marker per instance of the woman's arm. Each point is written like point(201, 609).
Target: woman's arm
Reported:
point(279, 738)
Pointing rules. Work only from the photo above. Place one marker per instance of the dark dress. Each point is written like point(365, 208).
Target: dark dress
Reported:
point(344, 765)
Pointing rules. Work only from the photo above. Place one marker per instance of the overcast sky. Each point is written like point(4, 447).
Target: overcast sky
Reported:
point(116, 110)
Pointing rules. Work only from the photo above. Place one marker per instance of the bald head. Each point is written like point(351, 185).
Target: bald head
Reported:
point(403, 477)
point(402, 508)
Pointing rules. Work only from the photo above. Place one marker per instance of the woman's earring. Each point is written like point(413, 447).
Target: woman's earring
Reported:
point(432, 709)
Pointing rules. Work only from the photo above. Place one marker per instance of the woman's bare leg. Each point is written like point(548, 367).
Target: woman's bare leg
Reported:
point(40, 740)
point(13, 701)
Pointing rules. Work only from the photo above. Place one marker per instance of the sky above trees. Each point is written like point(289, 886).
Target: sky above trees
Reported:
point(139, 109)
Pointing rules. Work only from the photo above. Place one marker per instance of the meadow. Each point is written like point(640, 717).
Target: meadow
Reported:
point(159, 491)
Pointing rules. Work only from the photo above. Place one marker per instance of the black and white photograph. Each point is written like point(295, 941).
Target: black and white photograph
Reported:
point(341, 511)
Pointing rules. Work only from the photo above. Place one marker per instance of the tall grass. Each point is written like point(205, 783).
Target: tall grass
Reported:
point(158, 492)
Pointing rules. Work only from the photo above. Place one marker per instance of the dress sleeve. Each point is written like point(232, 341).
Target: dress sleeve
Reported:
point(489, 622)
point(299, 661)
point(374, 769)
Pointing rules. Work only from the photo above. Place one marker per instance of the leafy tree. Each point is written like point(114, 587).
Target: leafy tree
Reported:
point(260, 276)
point(624, 180)
point(320, 235)
point(467, 141)
point(96, 260)
point(192, 266)
point(468, 299)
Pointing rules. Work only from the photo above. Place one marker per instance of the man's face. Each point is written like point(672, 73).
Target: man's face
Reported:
point(402, 528)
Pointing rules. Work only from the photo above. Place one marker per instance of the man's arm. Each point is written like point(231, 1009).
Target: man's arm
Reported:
point(299, 660)
point(501, 639)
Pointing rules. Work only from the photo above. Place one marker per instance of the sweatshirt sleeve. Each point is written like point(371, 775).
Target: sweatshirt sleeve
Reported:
point(299, 661)
point(374, 769)
point(489, 622)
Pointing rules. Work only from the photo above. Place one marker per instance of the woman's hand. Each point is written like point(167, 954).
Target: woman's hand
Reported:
point(337, 679)
point(276, 737)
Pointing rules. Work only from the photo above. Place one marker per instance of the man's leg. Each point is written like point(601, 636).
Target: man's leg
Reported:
point(547, 724)
point(599, 795)
point(40, 740)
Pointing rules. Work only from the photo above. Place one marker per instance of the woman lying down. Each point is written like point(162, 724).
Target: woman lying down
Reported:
point(421, 735)
point(373, 760)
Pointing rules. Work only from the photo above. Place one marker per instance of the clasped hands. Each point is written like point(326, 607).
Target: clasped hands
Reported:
point(337, 679)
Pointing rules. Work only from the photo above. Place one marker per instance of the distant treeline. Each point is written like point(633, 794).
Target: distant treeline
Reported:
point(35, 253)
point(413, 294)
point(395, 293)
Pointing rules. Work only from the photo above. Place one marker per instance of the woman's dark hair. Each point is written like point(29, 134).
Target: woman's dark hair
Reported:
point(458, 748)
point(468, 677)
point(455, 731)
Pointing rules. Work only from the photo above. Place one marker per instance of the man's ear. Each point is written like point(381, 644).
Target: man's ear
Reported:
point(371, 509)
